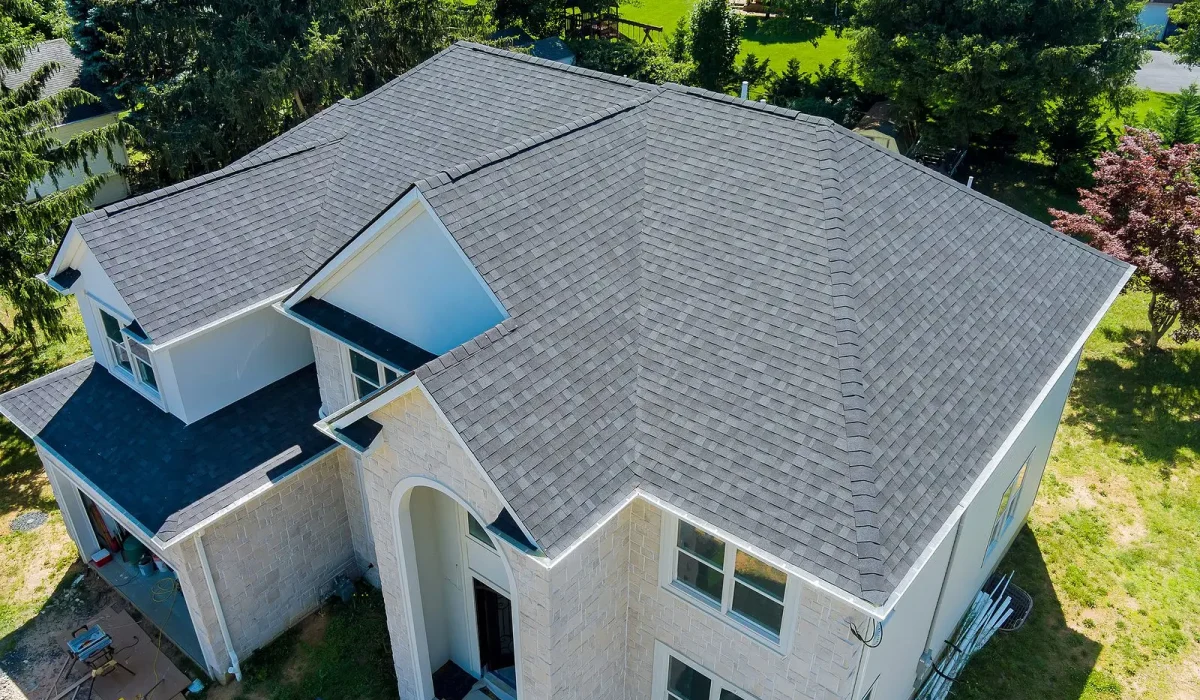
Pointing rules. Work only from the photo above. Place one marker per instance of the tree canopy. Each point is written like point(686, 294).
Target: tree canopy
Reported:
point(958, 70)
point(30, 151)
point(207, 82)
point(1144, 210)
point(715, 40)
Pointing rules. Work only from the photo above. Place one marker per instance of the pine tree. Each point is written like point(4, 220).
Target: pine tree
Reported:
point(1180, 121)
point(29, 152)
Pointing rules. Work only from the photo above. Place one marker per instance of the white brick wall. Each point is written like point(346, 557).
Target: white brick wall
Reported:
point(819, 666)
point(331, 375)
point(274, 557)
point(587, 626)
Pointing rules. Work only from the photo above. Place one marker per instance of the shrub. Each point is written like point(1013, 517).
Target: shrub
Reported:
point(646, 62)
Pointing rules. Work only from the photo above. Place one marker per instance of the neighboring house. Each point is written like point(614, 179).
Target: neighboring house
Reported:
point(78, 119)
point(1154, 16)
point(619, 390)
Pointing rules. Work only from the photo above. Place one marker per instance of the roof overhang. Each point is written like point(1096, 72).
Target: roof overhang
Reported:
point(358, 333)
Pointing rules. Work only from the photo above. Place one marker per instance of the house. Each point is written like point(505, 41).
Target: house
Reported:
point(1153, 17)
point(77, 120)
point(615, 390)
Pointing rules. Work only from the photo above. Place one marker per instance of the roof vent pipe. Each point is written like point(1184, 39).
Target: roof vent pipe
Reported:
point(745, 89)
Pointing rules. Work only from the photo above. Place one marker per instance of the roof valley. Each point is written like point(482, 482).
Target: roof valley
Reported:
point(860, 453)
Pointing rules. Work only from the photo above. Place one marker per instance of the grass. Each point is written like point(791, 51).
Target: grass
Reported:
point(31, 564)
point(1112, 550)
point(772, 39)
point(340, 652)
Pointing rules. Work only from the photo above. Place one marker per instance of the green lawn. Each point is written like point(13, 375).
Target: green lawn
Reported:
point(342, 652)
point(1112, 551)
point(765, 38)
point(31, 564)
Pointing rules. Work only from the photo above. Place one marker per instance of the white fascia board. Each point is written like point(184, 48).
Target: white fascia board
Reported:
point(217, 323)
point(400, 387)
point(64, 252)
point(333, 267)
point(254, 493)
point(990, 468)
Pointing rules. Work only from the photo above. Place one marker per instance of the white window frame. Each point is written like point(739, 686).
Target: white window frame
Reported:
point(1006, 511)
point(668, 565)
point(351, 377)
point(131, 376)
point(662, 660)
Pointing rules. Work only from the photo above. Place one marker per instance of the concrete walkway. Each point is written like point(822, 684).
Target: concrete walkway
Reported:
point(1162, 74)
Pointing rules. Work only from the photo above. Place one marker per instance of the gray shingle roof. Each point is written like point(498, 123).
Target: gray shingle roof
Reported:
point(752, 314)
point(757, 316)
point(167, 475)
point(201, 249)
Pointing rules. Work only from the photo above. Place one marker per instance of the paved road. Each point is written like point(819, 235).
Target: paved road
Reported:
point(1163, 74)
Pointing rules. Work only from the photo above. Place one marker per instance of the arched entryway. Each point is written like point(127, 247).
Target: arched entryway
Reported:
point(459, 590)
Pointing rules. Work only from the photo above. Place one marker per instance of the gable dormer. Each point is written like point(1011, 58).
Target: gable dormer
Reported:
point(398, 295)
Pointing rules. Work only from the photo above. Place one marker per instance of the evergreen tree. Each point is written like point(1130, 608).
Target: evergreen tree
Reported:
point(30, 229)
point(716, 41)
point(956, 70)
point(1180, 121)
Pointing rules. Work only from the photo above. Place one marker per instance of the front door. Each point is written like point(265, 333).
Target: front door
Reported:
point(493, 616)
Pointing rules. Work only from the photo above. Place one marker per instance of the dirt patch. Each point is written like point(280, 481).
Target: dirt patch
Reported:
point(1115, 496)
point(31, 658)
point(311, 632)
point(1187, 676)
point(46, 553)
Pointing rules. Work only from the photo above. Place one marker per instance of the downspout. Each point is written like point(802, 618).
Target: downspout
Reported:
point(234, 667)
point(926, 662)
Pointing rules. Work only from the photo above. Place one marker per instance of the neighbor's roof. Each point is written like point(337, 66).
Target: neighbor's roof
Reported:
point(752, 314)
point(68, 75)
point(168, 475)
point(756, 316)
point(202, 249)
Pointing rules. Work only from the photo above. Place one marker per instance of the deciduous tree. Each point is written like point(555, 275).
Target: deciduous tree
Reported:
point(1145, 209)
point(716, 39)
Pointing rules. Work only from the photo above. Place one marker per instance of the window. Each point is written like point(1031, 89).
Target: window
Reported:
point(128, 355)
point(739, 585)
point(1007, 512)
point(479, 532)
point(116, 341)
point(678, 678)
point(369, 376)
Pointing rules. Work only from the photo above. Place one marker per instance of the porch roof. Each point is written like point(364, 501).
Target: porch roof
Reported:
point(164, 474)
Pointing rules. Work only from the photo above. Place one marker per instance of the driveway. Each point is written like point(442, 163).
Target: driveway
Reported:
point(1162, 74)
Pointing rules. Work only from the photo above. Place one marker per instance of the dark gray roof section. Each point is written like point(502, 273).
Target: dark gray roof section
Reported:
point(361, 334)
point(359, 435)
point(167, 475)
point(65, 279)
point(757, 316)
point(67, 76)
point(199, 250)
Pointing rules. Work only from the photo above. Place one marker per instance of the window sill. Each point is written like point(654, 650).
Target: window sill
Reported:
point(751, 629)
point(127, 377)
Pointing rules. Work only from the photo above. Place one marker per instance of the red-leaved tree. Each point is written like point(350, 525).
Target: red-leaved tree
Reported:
point(1145, 209)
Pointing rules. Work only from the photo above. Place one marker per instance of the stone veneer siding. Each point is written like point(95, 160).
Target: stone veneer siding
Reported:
point(586, 627)
point(272, 559)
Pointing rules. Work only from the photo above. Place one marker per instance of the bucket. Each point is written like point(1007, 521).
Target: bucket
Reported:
point(146, 566)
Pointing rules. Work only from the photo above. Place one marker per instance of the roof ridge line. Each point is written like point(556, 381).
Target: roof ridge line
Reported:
point(860, 453)
point(764, 107)
point(353, 102)
point(240, 166)
point(457, 172)
point(554, 65)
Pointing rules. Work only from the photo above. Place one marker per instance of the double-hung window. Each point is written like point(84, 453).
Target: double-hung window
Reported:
point(368, 375)
point(1007, 512)
point(678, 678)
point(127, 355)
point(739, 585)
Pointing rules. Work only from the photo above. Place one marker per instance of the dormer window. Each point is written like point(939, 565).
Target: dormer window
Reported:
point(127, 355)
point(368, 375)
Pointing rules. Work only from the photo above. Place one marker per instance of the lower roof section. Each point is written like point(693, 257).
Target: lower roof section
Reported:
point(167, 475)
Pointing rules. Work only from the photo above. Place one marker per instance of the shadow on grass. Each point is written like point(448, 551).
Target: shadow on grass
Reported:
point(1148, 400)
point(1045, 659)
point(1025, 186)
point(21, 476)
point(779, 30)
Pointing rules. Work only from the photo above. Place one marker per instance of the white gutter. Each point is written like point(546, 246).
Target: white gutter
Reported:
point(234, 667)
